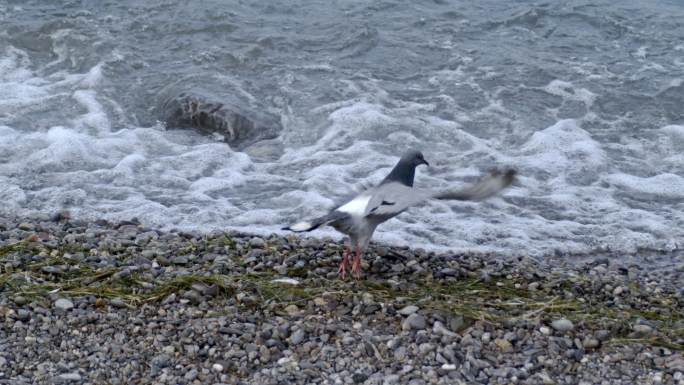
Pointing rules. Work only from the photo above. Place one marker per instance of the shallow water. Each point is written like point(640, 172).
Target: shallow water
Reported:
point(584, 100)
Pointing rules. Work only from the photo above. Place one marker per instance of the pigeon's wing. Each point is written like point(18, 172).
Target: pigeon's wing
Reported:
point(391, 199)
point(485, 188)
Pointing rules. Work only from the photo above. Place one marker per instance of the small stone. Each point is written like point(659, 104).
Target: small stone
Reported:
point(602, 335)
point(297, 337)
point(64, 304)
point(545, 378)
point(118, 302)
point(161, 360)
point(391, 379)
point(23, 314)
point(675, 364)
point(68, 377)
point(281, 269)
point(618, 290)
point(486, 337)
point(217, 368)
point(180, 260)
point(562, 325)
point(408, 310)
point(590, 343)
point(642, 330)
point(448, 367)
point(211, 291)
point(320, 301)
point(191, 375)
point(393, 343)
point(359, 377)
point(545, 330)
point(457, 323)
point(100, 303)
point(25, 226)
point(426, 348)
point(439, 328)
point(414, 322)
point(292, 310)
point(504, 345)
point(257, 243)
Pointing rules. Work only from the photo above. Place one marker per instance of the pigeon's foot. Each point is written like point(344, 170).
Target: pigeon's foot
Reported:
point(356, 265)
point(342, 271)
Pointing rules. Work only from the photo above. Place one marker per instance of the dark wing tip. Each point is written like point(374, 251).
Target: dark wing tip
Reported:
point(509, 176)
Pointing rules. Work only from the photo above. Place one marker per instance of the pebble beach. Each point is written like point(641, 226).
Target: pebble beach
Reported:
point(119, 303)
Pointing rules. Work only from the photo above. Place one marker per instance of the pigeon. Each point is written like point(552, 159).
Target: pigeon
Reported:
point(359, 217)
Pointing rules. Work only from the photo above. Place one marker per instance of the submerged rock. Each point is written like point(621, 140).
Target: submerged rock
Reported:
point(228, 122)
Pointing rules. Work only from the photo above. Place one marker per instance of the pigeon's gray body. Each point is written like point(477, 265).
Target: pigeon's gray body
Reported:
point(359, 217)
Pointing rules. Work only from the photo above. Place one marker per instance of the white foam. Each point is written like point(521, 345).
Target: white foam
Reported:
point(662, 185)
point(641, 52)
point(568, 91)
point(561, 148)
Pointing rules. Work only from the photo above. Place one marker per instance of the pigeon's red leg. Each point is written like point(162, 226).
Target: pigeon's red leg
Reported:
point(345, 262)
point(356, 265)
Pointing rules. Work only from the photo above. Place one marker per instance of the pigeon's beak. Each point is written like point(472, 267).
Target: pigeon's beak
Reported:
point(425, 162)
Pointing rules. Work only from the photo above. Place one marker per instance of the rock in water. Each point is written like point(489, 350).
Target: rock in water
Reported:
point(213, 117)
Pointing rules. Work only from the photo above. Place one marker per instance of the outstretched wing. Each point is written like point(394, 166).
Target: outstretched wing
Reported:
point(392, 199)
point(485, 188)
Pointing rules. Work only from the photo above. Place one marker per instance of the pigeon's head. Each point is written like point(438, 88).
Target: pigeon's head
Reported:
point(413, 158)
point(405, 170)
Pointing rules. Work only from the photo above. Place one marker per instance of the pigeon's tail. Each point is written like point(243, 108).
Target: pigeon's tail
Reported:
point(488, 186)
point(316, 223)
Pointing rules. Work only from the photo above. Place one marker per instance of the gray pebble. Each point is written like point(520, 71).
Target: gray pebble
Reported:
point(439, 328)
point(23, 314)
point(414, 321)
point(64, 304)
point(562, 325)
point(297, 337)
point(180, 260)
point(161, 360)
point(257, 243)
point(359, 377)
point(408, 310)
point(590, 343)
point(191, 375)
point(67, 378)
point(117, 302)
point(642, 330)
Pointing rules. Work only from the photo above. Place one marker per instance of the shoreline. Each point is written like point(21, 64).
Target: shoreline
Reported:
point(120, 303)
